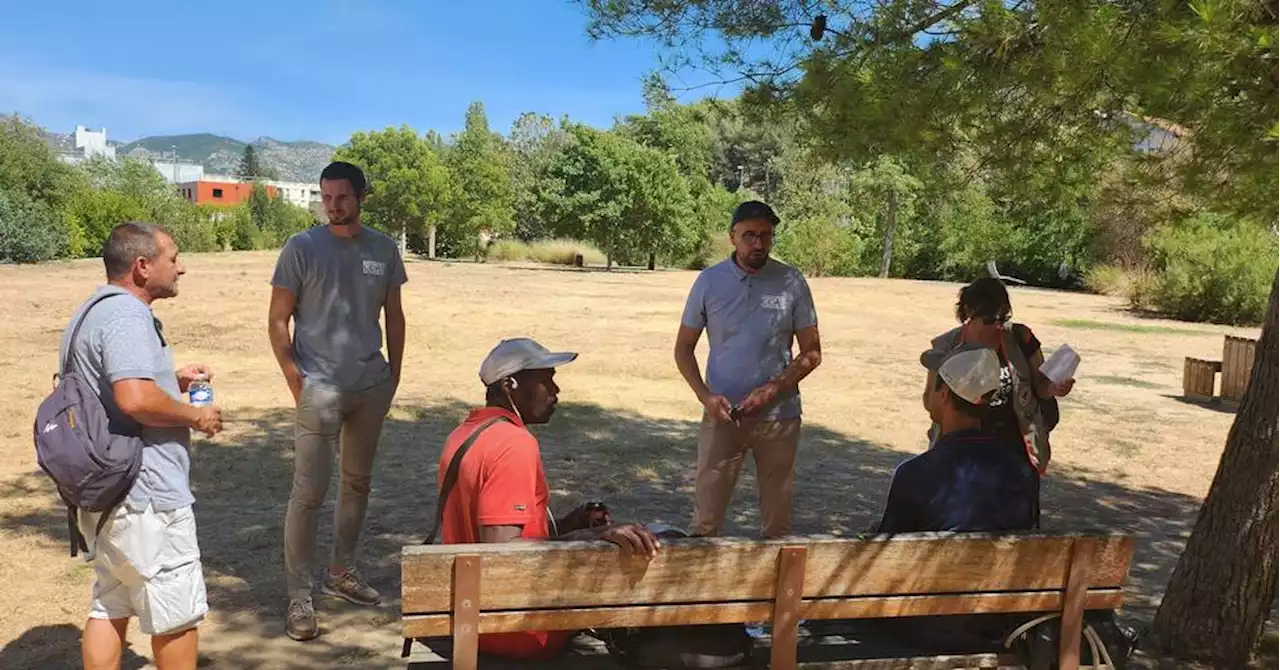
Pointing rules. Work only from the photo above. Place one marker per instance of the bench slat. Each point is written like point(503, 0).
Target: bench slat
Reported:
point(530, 576)
point(867, 607)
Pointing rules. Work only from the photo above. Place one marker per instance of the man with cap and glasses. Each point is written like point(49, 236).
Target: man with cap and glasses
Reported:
point(752, 308)
point(968, 481)
point(492, 485)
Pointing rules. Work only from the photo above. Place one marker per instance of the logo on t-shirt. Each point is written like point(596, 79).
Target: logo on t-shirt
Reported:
point(519, 508)
point(375, 268)
point(773, 301)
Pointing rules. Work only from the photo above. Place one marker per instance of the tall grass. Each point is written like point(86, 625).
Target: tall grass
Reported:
point(554, 252)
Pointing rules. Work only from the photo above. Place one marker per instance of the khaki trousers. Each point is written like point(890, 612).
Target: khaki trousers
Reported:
point(331, 423)
point(721, 448)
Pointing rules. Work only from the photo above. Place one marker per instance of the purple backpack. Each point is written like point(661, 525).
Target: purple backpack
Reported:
point(93, 467)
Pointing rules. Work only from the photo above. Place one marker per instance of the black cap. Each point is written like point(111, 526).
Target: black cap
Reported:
point(753, 209)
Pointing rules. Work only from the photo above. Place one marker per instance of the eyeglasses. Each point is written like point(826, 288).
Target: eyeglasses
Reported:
point(753, 237)
point(993, 320)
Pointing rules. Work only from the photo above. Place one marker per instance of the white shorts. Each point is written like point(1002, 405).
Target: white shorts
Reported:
point(147, 565)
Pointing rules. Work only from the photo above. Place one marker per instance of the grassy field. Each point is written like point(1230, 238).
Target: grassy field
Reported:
point(1129, 455)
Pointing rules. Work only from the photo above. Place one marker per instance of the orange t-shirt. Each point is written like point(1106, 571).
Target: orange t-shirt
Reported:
point(500, 483)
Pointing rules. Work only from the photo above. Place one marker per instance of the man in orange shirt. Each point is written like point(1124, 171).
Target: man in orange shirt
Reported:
point(497, 491)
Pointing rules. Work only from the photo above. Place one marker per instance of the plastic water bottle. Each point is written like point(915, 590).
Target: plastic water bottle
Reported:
point(200, 393)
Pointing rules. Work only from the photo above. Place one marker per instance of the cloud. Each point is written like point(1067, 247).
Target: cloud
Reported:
point(128, 106)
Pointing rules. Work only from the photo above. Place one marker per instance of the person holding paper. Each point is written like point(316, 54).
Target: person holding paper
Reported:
point(1024, 408)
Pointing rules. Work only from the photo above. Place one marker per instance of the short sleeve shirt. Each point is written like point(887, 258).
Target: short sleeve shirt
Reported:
point(751, 321)
point(122, 339)
point(341, 286)
point(500, 483)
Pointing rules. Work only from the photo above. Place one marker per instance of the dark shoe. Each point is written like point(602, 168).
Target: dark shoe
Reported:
point(300, 624)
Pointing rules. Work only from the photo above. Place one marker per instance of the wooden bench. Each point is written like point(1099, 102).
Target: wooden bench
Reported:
point(465, 590)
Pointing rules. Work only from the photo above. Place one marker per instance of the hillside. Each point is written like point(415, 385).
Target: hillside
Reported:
point(295, 161)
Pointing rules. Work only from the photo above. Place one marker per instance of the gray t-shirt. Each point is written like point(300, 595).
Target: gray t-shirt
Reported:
point(122, 339)
point(341, 285)
point(750, 322)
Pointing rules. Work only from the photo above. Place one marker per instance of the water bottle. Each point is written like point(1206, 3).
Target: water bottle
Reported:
point(200, 393)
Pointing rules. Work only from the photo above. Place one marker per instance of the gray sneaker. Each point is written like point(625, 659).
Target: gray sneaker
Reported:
point(352, 587)
point(300, 624)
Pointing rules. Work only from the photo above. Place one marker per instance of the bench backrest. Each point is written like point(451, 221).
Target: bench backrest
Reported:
point(571, 585)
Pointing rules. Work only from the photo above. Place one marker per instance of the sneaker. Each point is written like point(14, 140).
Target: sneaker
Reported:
point(352, 587)
point(300, 624)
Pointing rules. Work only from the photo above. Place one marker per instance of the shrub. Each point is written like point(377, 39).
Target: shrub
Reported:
point(507, 251)
point(29, 231)
point(562, 252)
point(1111, 280)
point(820, 247)
point(1212, 268)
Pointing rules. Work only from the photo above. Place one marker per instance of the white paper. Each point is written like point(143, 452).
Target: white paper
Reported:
point(1062, 365)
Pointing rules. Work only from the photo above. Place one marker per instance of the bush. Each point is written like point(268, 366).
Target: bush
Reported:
point(819, 247)
point(562, 252)
point(1111, 280)
point(507, 251)
point(29, 231)
point(1212, 268)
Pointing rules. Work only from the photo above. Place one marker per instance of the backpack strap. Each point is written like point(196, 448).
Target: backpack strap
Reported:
point(451, 475)
point(75, 332)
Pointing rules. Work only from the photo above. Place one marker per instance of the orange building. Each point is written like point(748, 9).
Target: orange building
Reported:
point(219, 192)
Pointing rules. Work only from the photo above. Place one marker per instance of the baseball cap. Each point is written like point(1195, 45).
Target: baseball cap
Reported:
point(753, 209)
point(971, 371)
point(517, 354)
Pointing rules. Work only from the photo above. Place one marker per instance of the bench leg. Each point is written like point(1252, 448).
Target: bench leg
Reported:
point(466, 611)
point(786, 608)
point(1073, 605)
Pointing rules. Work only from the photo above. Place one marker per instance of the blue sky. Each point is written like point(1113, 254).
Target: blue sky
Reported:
point(313, 69)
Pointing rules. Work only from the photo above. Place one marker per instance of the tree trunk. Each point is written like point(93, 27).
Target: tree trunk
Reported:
point(608, 261)
point(431, 241)
point(404, 240)
point(890, 222)
point(1221, 592)
point(653, 261)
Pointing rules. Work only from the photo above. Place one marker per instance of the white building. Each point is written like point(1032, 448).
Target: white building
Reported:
point(90, 143)
point(296, 192)
point(178, 172)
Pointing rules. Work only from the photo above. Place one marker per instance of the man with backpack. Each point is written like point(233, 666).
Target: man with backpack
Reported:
point(145, 555)
point(491, 481)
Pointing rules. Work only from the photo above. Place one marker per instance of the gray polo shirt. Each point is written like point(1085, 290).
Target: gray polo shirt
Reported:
point(750, 322)
point(122, 339)
point(341, 285)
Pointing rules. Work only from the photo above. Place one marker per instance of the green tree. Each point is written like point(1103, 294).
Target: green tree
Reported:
point(1033, 84)
point(533, 142)
point(627, 199)
point(29, 167)
point(885, 191)
point(484, 201)
point(410, 189)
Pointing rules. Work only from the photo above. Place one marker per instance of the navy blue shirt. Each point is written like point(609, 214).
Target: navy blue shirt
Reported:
point(967, 482)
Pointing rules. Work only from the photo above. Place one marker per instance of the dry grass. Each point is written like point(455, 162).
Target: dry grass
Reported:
point(1128, 456)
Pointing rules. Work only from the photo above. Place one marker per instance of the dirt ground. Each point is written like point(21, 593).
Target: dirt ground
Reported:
point(1129, 455)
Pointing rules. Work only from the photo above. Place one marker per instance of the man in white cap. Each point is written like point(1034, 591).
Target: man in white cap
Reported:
point(492, 485)
point(967, 481)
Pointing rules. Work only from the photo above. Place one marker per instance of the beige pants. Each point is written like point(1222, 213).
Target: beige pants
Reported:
point(721, 448)
point(331, 422)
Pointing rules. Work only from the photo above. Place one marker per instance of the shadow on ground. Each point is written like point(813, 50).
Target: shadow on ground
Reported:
point(641, 466)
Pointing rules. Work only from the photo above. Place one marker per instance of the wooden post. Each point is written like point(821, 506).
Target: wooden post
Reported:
point(466, 611)
point(1073, 605)
point(786, 608)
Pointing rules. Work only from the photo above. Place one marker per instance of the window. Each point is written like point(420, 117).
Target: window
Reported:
point(217, 193)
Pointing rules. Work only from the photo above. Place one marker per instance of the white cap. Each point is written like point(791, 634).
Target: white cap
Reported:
point(971, 372)
point(521, 353)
